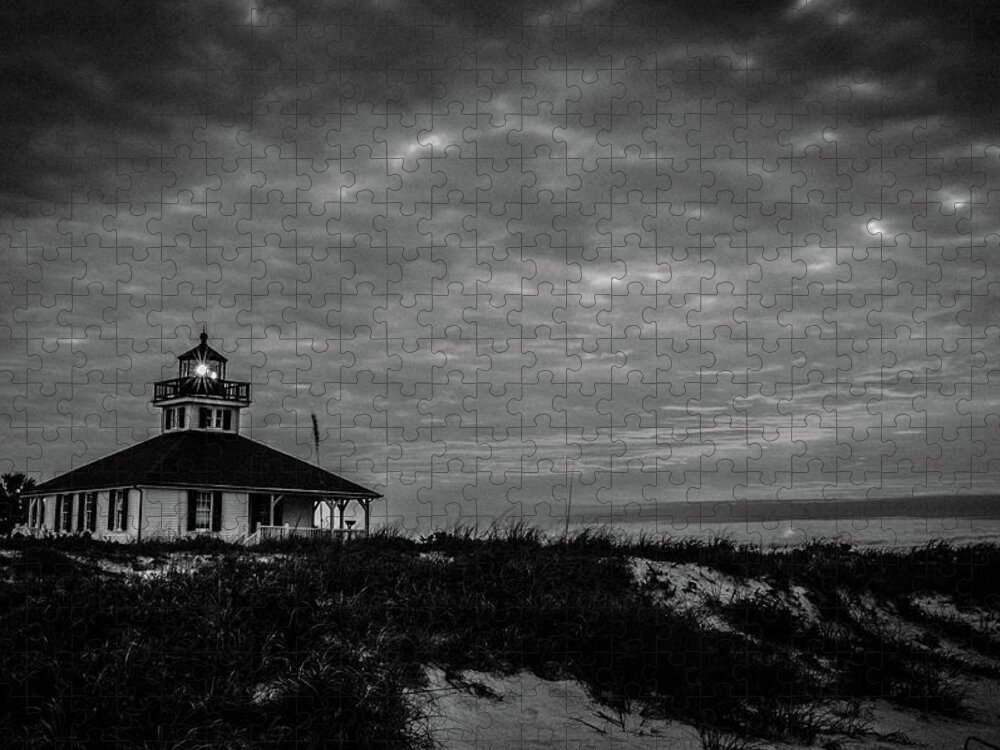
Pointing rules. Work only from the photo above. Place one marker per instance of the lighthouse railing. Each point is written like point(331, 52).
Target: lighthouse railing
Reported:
point(227, 390)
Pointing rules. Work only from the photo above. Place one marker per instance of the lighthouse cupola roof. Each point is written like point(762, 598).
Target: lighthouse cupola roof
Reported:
point(202, 352)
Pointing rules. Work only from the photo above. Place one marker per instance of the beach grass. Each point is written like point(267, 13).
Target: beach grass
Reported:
point(327, 644)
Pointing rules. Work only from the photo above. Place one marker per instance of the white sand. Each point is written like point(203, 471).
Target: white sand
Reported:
point(523, 711)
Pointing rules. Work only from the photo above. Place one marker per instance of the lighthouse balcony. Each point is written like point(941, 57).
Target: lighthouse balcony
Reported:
point(224, 390)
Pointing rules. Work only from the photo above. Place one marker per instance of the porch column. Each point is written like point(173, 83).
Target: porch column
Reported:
point(366, 504)
point(341, 506)
point(274, 501)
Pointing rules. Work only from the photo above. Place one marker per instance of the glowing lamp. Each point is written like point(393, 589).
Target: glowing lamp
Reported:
point(201, 370)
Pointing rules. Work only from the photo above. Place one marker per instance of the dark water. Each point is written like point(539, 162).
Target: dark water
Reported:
point(894, 521)
point(900, 530)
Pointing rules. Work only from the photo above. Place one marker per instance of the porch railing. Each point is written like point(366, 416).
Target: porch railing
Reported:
point(266, 533)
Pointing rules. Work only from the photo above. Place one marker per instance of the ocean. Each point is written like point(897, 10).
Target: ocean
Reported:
point(891, 521)
point(895, 531)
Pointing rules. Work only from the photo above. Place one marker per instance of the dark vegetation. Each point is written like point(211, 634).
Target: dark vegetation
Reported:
point(323, 644)
point(12, 505)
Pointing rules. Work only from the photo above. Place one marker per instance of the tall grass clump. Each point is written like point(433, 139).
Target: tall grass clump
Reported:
point(237, 655)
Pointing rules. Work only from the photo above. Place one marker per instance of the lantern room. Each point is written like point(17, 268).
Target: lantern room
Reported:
point(200, 397)
point(202, 361)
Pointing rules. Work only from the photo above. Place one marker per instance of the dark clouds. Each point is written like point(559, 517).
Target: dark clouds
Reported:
point(748, 251)
point(119, 73)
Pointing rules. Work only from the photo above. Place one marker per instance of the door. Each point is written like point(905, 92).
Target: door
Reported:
point(260, 511)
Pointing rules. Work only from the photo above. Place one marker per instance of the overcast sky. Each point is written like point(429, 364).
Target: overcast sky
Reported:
point(748, 252)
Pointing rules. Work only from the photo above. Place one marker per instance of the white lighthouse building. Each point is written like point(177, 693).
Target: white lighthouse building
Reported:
point(200, 476)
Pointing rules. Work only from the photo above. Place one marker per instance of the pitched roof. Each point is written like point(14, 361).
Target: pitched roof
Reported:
point(203, 352)
point(203, 458)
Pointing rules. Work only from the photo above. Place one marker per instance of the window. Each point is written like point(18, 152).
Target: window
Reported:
point(90, 511)
point(64, 513)
point(204, 510)
point(117, 510)
point(214, 419)
point(174, 418)
point(202, 369)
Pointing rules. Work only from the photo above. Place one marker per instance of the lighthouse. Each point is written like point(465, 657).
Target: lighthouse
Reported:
point(199, 476)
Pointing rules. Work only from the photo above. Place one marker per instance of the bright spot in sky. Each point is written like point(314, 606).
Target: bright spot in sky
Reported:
point(425, 140)
point(954, 201)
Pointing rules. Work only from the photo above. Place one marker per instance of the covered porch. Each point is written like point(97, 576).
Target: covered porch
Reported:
point(268, 520)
